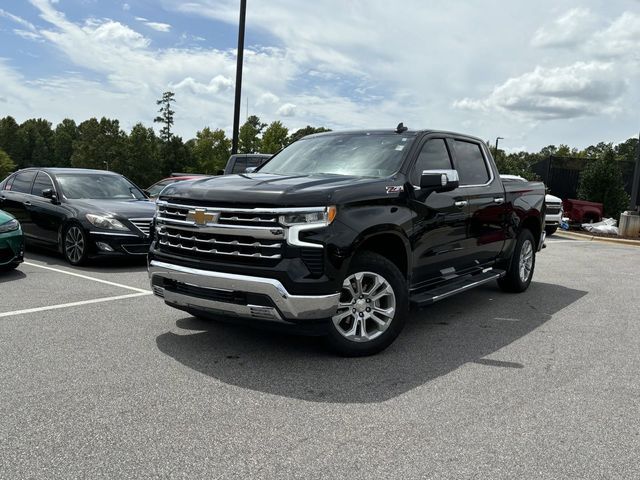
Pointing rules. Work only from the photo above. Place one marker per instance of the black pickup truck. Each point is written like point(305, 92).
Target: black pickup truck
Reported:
point(340, 233)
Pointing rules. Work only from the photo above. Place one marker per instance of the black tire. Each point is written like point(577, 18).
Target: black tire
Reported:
point(551, 230)
point(513, 281)
point(374, 268)
point(71, 233)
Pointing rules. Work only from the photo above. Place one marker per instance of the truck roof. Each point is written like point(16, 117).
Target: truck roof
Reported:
point(389, 131)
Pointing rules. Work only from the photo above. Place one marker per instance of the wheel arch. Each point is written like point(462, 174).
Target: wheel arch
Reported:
point(389, 243)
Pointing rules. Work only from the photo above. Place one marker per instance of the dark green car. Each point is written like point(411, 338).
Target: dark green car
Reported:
point(11, 242)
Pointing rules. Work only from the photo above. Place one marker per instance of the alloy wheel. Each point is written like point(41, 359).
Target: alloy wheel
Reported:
point(526, 260)
point(366, 308)
point(74, 244)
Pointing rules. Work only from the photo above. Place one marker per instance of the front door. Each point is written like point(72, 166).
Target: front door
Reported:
point(46, 217)
point(439, 234)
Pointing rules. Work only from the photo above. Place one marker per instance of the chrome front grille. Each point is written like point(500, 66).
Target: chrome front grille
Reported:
point(219, 233)
point(553, 209)
point(142, 224)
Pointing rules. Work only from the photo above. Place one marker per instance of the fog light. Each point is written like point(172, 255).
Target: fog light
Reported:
point(105, 247)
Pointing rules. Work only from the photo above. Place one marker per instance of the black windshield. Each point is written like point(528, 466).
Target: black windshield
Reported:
point(98, 186)
point(362, 154)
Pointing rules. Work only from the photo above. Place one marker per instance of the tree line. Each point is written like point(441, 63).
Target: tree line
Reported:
point(141, 154)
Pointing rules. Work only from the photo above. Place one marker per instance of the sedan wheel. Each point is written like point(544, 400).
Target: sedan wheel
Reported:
point(75, 245)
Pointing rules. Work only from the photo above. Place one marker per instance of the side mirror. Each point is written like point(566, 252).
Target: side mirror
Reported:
point(50, 194)
point(439, 180)
point(220, 172)
point(249, 169)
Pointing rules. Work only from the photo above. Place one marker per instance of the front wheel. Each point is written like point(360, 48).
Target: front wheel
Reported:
point(523, 262)
point(372, 308)
point(75, 247)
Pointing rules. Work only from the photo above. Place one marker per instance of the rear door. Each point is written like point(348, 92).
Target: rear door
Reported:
point(17, 196)
point(484, 193)
point(439, 234)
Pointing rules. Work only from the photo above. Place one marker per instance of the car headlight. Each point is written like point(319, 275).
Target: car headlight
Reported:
point(9, 226)
point(315, 217)
point(105, 221)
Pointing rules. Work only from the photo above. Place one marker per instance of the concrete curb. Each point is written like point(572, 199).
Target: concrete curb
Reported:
point(587, 237)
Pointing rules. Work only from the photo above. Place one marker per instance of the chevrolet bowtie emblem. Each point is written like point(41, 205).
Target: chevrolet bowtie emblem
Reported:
point(200, 216)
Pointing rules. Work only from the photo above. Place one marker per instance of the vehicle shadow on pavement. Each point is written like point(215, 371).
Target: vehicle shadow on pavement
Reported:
point(435, 341)
point(120, 264)
point(11, 275)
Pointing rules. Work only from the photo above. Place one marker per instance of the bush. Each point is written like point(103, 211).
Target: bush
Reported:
point(601, 181)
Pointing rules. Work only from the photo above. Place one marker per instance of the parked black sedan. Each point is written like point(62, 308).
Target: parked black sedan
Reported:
point(81, 213)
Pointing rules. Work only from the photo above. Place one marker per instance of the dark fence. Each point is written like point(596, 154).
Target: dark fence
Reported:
point(562, 174)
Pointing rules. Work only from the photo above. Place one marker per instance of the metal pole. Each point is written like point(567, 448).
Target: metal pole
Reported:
point(236, 108)
point(635, 186)
point(496, 151)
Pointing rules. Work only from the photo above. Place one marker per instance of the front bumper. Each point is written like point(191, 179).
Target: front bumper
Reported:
point(230, 294)
point(11, 247)
point(113, 243)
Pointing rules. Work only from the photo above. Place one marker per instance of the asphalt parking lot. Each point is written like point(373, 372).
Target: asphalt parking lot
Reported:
point(98, 379)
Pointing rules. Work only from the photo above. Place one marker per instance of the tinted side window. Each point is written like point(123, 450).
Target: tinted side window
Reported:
point(240, 166)
point(22, 182)
point(6, 185)
point(255, 161)
point(470, 163)
point(433, 156)
point(42, 182)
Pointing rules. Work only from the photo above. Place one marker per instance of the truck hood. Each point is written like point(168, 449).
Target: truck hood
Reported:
point(552, 198)
point(261, 189)
point(122, 208)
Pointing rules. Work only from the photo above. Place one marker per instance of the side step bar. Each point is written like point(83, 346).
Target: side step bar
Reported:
point(456, 286)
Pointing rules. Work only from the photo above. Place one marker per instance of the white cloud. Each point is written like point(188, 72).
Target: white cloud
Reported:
point(126, 7)
point(620, 39)
point(568, 30)
point(160, 27)
point(267, 98)
point(217, 84)
point(17, 19)
point(27, 34)
point(577, 90)
point(286, 110)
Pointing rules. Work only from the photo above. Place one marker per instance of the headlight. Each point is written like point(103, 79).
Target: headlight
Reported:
point(9, 226)
point(105, 221)
point(320, 218)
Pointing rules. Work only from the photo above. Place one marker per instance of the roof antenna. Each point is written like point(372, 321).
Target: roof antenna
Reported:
point(401, 128)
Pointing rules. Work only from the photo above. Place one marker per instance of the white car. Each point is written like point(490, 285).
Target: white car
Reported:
point(553, 212)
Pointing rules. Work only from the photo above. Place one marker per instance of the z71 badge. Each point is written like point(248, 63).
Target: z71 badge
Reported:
point(395, 189)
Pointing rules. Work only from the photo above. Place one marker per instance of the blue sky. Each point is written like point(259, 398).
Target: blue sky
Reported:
point(536, 73)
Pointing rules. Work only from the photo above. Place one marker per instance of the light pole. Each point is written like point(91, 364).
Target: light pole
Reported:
point(496, 150)
point(635, 188)
point(236, 108)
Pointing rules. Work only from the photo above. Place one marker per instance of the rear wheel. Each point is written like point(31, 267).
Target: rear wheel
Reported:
point(372, 308)
point(551, 230)
point(523, 262)
point(75, 247)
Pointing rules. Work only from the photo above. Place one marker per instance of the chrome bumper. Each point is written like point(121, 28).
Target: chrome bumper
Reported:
point(289, 307)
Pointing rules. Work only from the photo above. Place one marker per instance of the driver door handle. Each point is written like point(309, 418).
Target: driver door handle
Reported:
point(498, 200)
point(461, 203)
point(27, 203)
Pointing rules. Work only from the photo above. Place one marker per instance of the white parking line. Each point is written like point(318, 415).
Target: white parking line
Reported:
point(73, 304)
point(86, 277)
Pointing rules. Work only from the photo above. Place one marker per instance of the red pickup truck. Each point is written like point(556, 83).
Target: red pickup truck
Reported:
point(581, 211)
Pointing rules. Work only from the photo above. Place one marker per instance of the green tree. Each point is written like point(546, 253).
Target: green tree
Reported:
point(211, 150)
point(34, 143)
point(100, 144)
point(274, 137)
point(308, 130)
point(9, 138)
point(627, 151)
point(516, 164)
point(601, 181)
point(6, 164)
point(166, 115)
point(142, 165)
point(176, 157)
point(65, 134)
point(249, 135)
